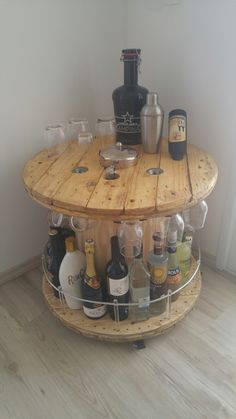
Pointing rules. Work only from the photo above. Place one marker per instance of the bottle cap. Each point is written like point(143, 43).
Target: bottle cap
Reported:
point(172, 236)
point(130, 54)
point(177, 112)
point(152, 98)
point(70, 244)
point(52, 232)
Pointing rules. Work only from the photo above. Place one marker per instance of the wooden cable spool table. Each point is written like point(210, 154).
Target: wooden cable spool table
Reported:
point(55, 180)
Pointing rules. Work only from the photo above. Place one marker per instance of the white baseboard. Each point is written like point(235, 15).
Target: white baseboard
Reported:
point(20, 269)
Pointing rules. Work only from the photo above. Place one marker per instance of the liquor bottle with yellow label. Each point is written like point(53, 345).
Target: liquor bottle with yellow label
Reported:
point(158, 267)
point(174, 278)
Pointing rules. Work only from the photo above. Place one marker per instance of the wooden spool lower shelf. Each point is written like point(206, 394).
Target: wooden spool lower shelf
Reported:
point(105, 329)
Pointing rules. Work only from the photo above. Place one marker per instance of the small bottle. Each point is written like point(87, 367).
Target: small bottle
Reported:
point(177, 134)
point(157, 265)
point(91, 286)
point(129, 99)
point(69, 273)
point(174, 275)
point(139, 290)
point(117, 280)
point(151, 117)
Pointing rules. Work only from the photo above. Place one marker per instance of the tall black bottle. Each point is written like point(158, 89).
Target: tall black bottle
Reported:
point(117, 280)
point(129, 99)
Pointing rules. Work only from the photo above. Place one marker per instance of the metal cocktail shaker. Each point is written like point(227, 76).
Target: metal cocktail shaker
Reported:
point(151, 117)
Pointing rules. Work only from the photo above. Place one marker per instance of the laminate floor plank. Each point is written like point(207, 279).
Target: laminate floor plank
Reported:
point(47, 371)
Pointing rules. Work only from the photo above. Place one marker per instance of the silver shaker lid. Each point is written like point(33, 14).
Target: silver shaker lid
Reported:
point(152, 108)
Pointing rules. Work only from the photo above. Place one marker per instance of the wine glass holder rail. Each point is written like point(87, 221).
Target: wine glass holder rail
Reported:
point(126, 330)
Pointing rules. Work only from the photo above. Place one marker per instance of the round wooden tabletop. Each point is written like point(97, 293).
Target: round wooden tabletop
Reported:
point(50, 179)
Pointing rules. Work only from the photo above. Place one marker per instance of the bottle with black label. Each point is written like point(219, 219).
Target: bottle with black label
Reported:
point(129, 99)
point(91, 286)
point(157, 265)
point(117, 280)
point(177, 134)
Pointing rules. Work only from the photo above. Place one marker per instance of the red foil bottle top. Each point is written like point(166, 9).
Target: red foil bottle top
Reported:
point(130, 54)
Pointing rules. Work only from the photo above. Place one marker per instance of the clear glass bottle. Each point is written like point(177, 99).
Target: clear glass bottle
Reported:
point(139, 290)
point(174, 278)
point(129, 99)
point(91, 286)
point(157, 265)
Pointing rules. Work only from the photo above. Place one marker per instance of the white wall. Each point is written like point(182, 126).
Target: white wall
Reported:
point(59, 58)
point(188, 51)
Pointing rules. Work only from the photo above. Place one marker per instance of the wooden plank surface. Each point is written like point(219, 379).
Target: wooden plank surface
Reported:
point(35, 168)
point(141, 196)
point(135, 194)
point(47, 371)
point(58, 173)
point(202, 172)
point(74, 193)
point(173, 187)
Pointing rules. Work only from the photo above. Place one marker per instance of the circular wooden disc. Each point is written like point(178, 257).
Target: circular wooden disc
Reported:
point(54, 179)
point(105, 329)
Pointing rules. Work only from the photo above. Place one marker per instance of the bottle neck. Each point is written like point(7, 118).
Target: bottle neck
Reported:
point(90, 269)
point(130, 73)
point(115, 250)
point(157, 250)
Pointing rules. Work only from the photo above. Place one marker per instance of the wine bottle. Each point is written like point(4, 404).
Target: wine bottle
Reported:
point(117, 280)
point(139, 290)
point(69, 273)
point(157, 265)
point(91, 286)
point(177, 134)
point(174, 277)
point(128, 100)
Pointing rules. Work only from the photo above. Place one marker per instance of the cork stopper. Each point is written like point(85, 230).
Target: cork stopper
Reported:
point(70, 244)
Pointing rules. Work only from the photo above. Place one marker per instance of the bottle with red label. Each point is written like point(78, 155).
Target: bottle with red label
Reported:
point(174, 277)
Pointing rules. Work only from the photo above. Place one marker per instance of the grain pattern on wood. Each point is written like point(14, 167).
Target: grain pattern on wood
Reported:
point(134, 195)
point(58, 173)
point(106, 329)
point(141, 196)
point(35, 168)
point(75, 192)
point(203, 173)
point(47, 371)
point(173, 186)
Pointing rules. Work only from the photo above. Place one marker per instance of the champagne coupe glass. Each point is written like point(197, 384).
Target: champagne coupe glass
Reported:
point(54, 135)
point(105, 127)
point(55, 219)
point(130, 236)
point(76, 126)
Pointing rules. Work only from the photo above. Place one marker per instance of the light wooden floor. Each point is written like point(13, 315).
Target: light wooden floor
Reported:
point(47, 371)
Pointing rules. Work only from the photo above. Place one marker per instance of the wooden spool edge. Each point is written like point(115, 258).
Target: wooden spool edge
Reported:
point(105, 330)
